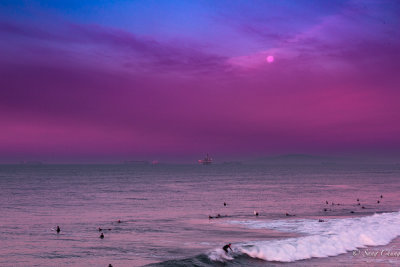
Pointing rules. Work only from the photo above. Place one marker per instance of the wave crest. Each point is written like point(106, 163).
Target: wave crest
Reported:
point(330, 238)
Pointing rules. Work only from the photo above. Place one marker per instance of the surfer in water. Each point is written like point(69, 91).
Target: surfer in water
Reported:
point(102, 236)
point(226, 247)
point(58, 229)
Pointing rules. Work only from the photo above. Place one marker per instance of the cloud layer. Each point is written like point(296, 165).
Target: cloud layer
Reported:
point(97, 90)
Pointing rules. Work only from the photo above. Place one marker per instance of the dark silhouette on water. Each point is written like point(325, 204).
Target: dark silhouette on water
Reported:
point(101, 236)
point(58, 229)
point(381, 196)
point(326, 202)
point(224, 203)
point(320, 220)
point(378, 202)
point(226, 247)
point(217, 216)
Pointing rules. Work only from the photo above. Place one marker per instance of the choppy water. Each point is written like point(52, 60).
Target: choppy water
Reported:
point(164, 213)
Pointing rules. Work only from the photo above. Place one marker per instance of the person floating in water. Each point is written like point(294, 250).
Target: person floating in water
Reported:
point(226, 247)
point(381, 196)
point(102, 236)
point(256, 213)
point(58, 229)
point(224, 203)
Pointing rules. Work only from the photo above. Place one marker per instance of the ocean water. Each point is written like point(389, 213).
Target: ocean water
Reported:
point(164, 212)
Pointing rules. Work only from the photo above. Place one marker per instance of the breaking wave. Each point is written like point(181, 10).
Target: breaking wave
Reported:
point(318, 239)
point(322, 239)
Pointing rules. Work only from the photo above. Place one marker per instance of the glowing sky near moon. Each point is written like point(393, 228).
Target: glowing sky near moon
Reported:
point(114, 80)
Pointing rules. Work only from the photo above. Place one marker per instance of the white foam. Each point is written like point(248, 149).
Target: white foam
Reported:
point(323, 239)
point(219, 255)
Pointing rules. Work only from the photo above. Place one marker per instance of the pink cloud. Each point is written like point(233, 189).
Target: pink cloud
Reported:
point(102, 92)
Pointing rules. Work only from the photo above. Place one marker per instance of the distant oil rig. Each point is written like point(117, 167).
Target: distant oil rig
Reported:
point(206, 161)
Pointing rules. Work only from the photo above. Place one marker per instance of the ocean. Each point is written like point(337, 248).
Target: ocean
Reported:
point(158, 215)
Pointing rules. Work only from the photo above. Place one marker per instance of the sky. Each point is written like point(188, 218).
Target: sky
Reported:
point(173, 80)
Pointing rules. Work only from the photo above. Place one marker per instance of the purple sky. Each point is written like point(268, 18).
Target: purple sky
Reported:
point(115, 80)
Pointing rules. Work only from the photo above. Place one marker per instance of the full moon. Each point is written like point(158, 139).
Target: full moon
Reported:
point(270, 59)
